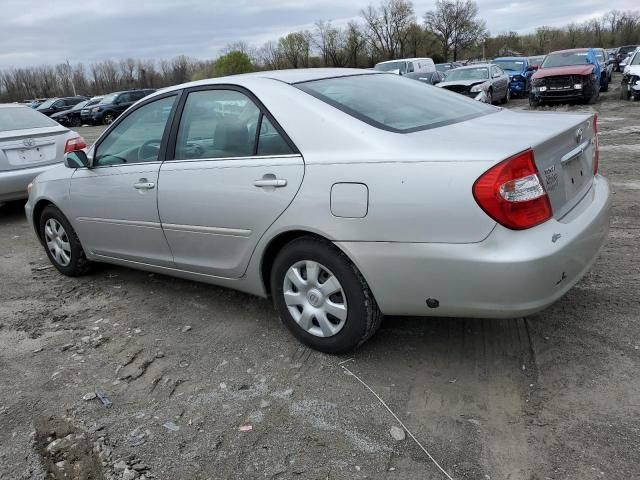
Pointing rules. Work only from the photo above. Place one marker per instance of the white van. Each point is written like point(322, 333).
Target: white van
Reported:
point(407, 65)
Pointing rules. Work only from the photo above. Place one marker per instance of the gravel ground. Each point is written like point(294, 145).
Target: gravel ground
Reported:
point(188, 367)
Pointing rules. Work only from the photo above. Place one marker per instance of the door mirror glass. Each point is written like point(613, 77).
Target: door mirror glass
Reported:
point(76, 159)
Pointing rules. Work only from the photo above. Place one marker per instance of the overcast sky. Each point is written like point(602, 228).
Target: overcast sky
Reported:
point(35, 32)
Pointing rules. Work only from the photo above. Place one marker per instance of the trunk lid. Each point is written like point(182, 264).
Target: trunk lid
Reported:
point(31, 148)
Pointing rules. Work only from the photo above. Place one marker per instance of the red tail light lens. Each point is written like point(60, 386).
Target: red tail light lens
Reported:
point(596, 145)
point(512, 193)
point(75, 143)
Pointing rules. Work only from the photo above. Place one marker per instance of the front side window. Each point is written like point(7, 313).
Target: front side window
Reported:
point(137, 137)
point(394, 103)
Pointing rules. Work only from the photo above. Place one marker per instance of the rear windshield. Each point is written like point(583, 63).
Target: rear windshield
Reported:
point(390, 66)
point(565, 59)
point(394, 103)
point(19, 118)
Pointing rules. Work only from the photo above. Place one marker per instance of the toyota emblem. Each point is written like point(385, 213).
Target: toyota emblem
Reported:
point(579, 136)
point(29, 142)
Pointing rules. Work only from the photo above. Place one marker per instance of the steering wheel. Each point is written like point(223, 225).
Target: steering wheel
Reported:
point(149, 151)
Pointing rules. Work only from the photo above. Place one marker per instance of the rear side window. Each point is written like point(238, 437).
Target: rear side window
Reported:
point(393, 103)
point(18, 118)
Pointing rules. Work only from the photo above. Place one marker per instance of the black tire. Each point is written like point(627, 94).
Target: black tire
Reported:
point(363, 315)
point(507, 97)
point(108, 118)
point(534, 102)
point(594, 97)
point(75, 122)
point(490, 97)
point(605, 86)
point(78, 264)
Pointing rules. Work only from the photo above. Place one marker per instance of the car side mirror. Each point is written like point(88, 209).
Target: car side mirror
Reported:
point(76, 159)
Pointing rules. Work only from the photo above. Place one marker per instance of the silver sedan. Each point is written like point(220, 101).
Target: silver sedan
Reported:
point(30, 143)
point(342, 194)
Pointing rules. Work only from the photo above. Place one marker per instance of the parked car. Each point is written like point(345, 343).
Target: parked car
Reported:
point(621, 54)
point(431, 78)
point(519, 72)
point(54, 105)
point(406, 65)
point(566, 75)
point(625, 61)
point(445, 67)
point(514, 197)
point(30, 143)
point(72, 117)
point(36, 103)
point(481, 81)
point(112, 105)
point(630, 88)
point(606, 68)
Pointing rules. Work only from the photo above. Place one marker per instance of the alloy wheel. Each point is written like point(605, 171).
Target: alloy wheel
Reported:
point(57, 242)
point(315, 298)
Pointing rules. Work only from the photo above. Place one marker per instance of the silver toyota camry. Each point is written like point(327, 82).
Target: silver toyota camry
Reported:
point(30, 143)
point(342, 194)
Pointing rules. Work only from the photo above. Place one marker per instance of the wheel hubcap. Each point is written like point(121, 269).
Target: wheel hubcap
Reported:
point(57, 242)
point(315, 298)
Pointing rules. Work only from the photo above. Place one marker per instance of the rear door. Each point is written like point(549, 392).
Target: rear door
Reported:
point(231, 173)
point(114, 203)
point(500, 81)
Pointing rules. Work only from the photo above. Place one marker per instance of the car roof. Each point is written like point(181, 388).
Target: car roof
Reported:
point(572, 50)
point(475, 65)
point(510, 58)
point(13, 105)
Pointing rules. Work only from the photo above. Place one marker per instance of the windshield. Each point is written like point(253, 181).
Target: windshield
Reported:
point(47, 103)
point(628, 49)
point(394, 103)
point(78, 106)
point(565, 59)
point(516, 65)
point(109, 98)
point(480, 73)
point(390, 66)
point(19, 118)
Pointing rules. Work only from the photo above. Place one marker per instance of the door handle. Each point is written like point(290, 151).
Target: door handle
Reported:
point(143, 184)
point(270, 180)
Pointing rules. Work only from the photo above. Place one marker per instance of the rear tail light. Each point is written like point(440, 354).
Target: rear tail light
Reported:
point(596, 145)
point(75, 143)
point(512, 193)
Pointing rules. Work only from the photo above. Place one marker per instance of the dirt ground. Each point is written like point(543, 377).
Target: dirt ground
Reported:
point(186, 365)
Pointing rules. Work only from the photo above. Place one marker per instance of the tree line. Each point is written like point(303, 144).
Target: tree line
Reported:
point(452, 30)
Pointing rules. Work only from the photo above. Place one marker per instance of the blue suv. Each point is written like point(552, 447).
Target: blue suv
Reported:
point(519, 71)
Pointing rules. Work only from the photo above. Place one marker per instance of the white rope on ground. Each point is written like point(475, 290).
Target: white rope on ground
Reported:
point(384, 404)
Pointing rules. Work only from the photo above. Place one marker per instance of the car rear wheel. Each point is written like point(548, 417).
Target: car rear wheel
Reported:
point(76, 122)
point(507, 97)
point(321, 296)
point(490, 97)
point(62, 244)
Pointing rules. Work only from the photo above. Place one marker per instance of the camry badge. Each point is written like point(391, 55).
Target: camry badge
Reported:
point(29, 142)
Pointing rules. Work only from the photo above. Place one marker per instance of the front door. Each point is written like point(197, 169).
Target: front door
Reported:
point(233, 173)
point(115, 202)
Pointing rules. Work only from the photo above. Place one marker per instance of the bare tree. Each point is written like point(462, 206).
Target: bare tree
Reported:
point(387, 27)
point(455, 24)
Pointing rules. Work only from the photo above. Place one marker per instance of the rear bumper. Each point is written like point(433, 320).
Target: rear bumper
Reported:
point(509, 274)
point(13, 183)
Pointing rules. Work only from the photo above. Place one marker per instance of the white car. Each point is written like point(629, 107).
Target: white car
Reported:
point(406, 65)
point(631, 77)
point(30, 143)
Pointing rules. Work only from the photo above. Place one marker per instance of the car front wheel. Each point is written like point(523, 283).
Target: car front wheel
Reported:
point(321, 296)
point(62, 244)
